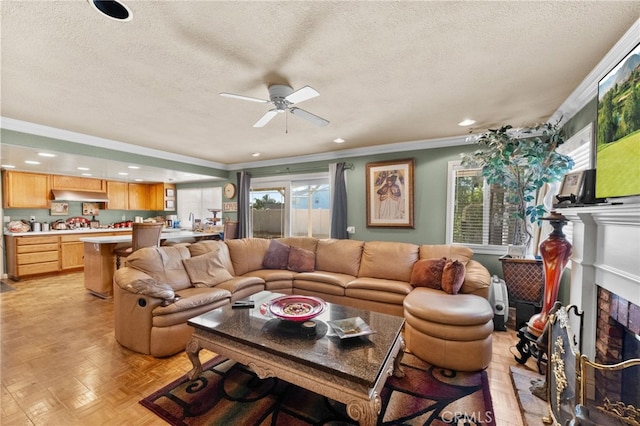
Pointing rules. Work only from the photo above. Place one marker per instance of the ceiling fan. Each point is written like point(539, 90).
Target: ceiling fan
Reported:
point(283, 98)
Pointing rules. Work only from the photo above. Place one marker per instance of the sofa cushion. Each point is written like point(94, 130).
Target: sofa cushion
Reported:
point(163, 264)
point(277, 256)
point(307, 243)
point(428, 273)
point(452, 276)
point(206, 270)
point(153, 288)
point(388, 260)
point(450, 251)
point(301, 260)
point(340, 256)
point(247, 254)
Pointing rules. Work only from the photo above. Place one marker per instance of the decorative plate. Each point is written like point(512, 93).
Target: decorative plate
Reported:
point(297, 308)
point(351, 327)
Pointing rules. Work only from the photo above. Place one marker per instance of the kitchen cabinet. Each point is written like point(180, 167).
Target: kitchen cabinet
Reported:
point(31, 255)
point(138, 196)
point(77, 183)
point(118, 194)
point(25, 190)
point(155, 199)
point(34, 254)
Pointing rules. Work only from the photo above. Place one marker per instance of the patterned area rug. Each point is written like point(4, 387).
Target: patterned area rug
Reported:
point(229, 394)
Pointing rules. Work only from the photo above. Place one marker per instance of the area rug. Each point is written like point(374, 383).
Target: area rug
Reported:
point(228, 393)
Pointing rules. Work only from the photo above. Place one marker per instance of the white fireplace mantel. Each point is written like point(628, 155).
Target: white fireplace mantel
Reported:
point(605, 253)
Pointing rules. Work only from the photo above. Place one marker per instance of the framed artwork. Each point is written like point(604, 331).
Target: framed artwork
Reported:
point(59, 209)
point(390, 193)
point(230, 207)
point(571, 185)
point(90, 209)
point(170, 192)
point(169, 205)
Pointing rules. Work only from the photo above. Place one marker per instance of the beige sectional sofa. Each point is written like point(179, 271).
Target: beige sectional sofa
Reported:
point(156, 293)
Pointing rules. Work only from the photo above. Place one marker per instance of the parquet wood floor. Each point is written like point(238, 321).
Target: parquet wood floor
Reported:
point(61, 364)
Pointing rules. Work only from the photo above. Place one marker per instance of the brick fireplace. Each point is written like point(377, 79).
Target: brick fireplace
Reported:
point(617, 333)
point(605, 273)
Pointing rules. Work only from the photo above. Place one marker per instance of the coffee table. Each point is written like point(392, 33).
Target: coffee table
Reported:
point(351, 370)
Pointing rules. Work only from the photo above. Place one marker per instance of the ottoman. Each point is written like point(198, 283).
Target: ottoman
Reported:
point(452, 331)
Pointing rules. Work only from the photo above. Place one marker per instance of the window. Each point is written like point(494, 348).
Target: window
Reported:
point(197, 201)
point(477, 213)
point(479, 217)
point(286, 206)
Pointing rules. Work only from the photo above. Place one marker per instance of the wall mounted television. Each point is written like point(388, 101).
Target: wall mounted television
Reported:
point(618, 130)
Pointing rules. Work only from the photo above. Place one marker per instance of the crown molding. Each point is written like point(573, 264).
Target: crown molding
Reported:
point(588, 89)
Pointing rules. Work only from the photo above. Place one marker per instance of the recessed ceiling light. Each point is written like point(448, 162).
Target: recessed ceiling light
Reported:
point(339, 140)
point(112, 9)
point(83, 168)
point(32, 162)
point(139, 180)
point(46, 154)
point(466, 122)
point(8, 166)
point(255, 154)
point(133, 167)
point(123, 173)
point(86, 174)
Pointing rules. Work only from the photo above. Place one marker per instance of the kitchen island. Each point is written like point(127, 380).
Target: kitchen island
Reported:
point(99, 261)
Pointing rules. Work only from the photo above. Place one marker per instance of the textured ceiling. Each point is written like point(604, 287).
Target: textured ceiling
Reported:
point(387, 72)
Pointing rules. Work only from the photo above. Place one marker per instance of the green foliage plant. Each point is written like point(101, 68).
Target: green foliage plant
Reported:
point(521, 162)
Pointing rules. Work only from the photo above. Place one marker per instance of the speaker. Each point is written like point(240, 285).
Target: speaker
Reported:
point(588, 194)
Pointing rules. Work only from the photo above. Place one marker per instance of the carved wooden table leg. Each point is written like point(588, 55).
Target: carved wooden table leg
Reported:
point(193, 351)
point(365, 412)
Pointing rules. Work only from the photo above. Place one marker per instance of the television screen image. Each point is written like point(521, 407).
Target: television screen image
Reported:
point(618, 134)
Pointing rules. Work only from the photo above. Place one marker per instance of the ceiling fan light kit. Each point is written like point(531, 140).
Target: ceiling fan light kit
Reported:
point(283, 98)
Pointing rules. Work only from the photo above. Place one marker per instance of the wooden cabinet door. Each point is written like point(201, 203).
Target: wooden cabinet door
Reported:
point(156, 196)
point(25, 190)
point(118, 194)
point(77, 183)
point(71, 255)
point(138, 196)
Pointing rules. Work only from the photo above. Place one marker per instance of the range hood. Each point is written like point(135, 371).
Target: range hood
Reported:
point(68, 195)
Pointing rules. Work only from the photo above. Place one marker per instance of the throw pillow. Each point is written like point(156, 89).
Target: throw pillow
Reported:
point(206, 270)
point(453, 276)
point(277, 255)
point(428, 273)
point(301, 260)
point(153, 288)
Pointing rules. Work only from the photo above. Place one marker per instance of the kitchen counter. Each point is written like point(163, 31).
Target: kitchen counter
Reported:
point(172, 234)
point(65, 231)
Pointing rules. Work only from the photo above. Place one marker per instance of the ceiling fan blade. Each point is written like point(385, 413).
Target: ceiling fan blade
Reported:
point(318, 121)
point(244, 98)
point(266, 118)
point(301, 95)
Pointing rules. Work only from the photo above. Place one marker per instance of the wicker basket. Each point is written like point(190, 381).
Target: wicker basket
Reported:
point(524, 279)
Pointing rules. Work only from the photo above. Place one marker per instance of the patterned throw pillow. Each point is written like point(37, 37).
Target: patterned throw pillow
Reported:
point(277, 256)
point(453, 276)
point(428, 273)
point(301, 260)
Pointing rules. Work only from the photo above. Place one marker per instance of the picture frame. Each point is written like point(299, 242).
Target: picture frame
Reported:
point(571, 185)
point(230, 206)
point(59, 208)
point(390, 193)
point(169, 205)
point(90, 209)
point(170, 192)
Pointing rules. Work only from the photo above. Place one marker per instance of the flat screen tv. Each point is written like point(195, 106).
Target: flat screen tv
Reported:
point(618, 130)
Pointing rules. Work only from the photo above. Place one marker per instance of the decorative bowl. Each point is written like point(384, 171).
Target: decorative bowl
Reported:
point(297, 308)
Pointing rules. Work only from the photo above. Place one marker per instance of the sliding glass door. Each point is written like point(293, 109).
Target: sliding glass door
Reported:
point(291, 206)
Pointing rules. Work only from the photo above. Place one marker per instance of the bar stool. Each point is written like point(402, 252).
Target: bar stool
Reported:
point(142, 235)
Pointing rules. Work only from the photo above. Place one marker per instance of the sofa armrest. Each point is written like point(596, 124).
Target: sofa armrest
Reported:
point(477, 279)
point(124, 276)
